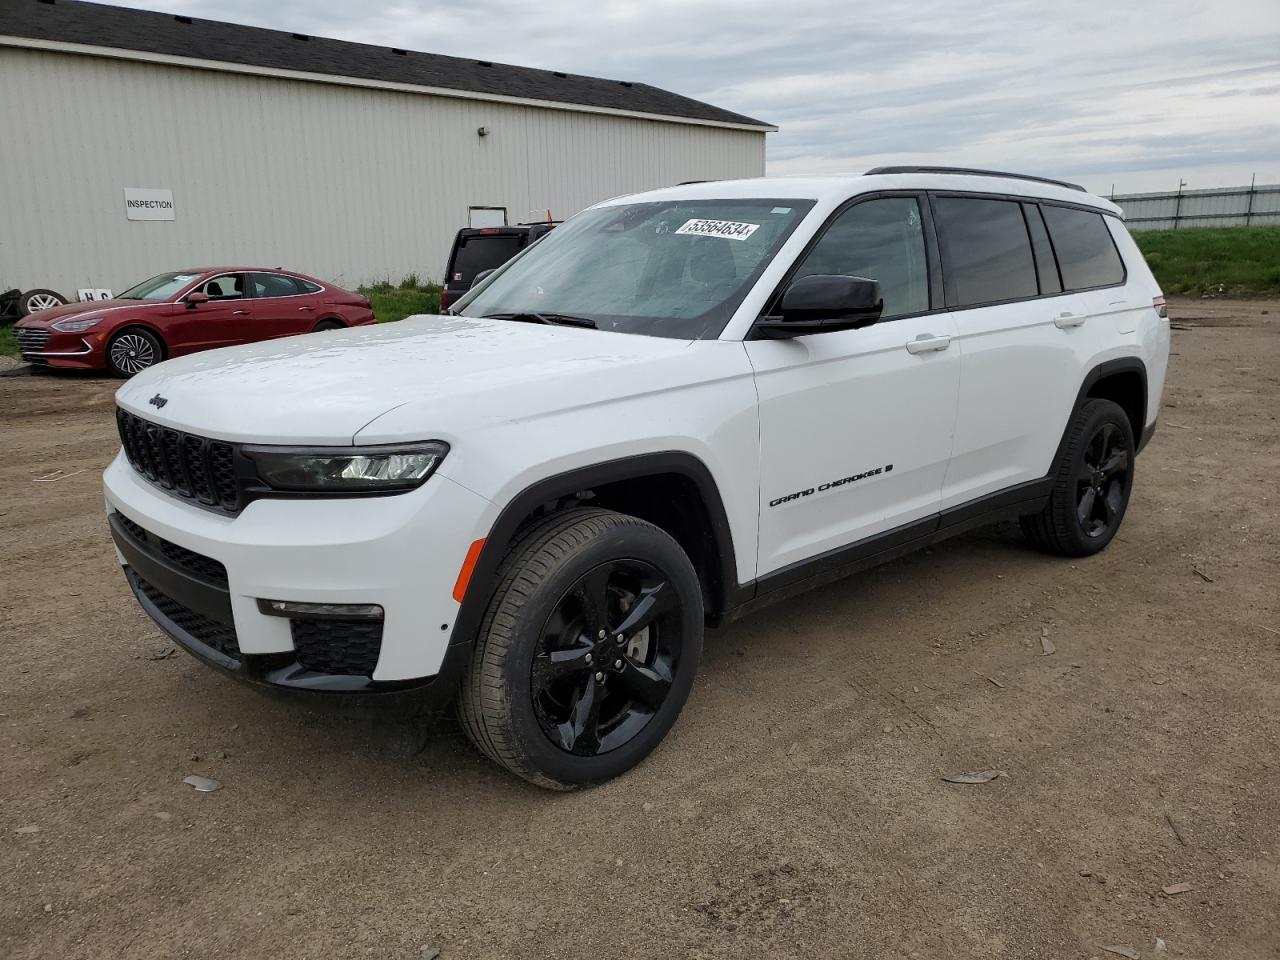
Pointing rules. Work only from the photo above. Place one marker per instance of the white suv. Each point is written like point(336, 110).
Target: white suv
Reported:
point(676, 407)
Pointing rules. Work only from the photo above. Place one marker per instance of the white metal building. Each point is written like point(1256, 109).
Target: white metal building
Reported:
point(350, 162)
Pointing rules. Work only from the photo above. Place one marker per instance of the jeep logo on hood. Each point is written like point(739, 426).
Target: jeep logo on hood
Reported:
point(158, 401)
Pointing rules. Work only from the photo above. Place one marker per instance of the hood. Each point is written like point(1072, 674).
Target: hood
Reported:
point(43, 318)
point(323, 388)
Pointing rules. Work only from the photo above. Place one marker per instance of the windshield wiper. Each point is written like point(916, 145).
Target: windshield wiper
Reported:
point(556, 319)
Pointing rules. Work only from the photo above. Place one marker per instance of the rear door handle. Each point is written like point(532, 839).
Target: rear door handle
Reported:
point(927, 342)
point(239, 313)
point(305, 309)
point(1065, 321)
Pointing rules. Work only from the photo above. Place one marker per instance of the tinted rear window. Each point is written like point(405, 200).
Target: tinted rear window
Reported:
point(1087, 255)
point(986, 250)
point(477, 254)
point(274, 285)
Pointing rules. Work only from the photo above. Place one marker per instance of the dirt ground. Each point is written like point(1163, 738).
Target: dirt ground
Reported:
point(797, 809)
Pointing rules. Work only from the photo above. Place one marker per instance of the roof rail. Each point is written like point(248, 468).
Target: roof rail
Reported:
point(970, 172)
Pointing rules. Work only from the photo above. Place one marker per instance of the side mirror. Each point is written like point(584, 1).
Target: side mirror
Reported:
point(482, 276)
point(195, 298)
point(822, 304)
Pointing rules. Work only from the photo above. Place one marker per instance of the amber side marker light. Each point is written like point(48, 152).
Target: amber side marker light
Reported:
point(468, 568)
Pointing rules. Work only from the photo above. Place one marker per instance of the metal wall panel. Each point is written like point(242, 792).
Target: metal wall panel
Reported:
point(1217, 207)
point(348, 184)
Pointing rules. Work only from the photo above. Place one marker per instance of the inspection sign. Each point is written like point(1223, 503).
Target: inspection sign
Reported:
point(147, 204)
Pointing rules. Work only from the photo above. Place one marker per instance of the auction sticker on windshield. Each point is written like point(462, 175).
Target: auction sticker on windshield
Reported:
point(728, 229)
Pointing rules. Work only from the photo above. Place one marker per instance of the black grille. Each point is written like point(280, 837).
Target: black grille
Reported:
point(30, 340)
point(219, 636)
point(338, 646)
point(187, 466)
point(197, 563)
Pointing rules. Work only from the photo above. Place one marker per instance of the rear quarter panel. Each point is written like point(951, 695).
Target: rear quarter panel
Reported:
point(1149, 331)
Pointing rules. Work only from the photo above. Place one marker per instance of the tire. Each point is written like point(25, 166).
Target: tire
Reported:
point(328, 325)
point(132, 350)
point(1092, 483)
point(33, 301)
point(550, 695)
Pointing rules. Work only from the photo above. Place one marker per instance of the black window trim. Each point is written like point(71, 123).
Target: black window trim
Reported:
point(1028, 209)
point(1039, 201)
point(932, 257)
point(245, 281)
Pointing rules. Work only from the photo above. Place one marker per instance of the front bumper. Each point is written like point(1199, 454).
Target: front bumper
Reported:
point(200, 576)
point(71, 351)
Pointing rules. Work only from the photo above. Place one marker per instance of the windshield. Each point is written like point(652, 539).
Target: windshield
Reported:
point(158, 288)
point(671, 268)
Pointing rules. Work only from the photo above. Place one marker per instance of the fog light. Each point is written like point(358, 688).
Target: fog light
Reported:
point(344, 611)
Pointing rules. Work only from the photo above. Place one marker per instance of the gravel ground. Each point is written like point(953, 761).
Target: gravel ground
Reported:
point(797, 809)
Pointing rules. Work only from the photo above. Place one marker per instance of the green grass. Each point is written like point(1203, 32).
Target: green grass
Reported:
point(8, 345)
point(1217, 260)
point(397, 302)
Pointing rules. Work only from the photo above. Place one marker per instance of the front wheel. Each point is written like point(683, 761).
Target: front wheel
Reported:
point(587, 652)
point(329, 324)
point(132, 351)
point(1092, 482)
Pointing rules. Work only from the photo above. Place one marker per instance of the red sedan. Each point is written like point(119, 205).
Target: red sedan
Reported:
point(179, 313)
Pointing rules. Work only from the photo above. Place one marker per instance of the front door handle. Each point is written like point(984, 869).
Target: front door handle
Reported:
point(239, 313)
point(927, 342)
point(305, 309)
point(1065, 321)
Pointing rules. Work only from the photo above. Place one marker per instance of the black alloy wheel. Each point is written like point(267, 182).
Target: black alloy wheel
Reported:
point(587, 650)
point(1102, 482)
point(1092, 481)
point(606, 657)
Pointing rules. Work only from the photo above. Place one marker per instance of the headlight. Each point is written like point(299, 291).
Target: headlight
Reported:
point(347, 469)
point(75, 324)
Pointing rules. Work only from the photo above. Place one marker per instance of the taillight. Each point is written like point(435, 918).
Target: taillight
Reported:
point(444, 299)
point(1161, 309)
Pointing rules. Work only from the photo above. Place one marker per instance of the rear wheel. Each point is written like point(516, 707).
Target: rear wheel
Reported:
point(328, 325)
point(1092, 483)
point(33, 301)
point(133, 350)
point(587, 652)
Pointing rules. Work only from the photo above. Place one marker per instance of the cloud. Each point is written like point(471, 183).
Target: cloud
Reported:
point(1138, 94)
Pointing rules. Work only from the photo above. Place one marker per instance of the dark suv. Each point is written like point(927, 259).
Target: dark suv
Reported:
point(477, 249)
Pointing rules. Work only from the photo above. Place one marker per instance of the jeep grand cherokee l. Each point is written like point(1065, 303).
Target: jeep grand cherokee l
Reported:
point(678, 406)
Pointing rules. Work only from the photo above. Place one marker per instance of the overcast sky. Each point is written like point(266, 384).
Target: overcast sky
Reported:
point(1135, 93)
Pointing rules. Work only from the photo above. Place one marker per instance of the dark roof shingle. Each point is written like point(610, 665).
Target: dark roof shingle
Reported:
point(70, 21)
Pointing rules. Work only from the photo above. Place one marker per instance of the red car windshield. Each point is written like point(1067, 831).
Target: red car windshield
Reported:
point(158, 288)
